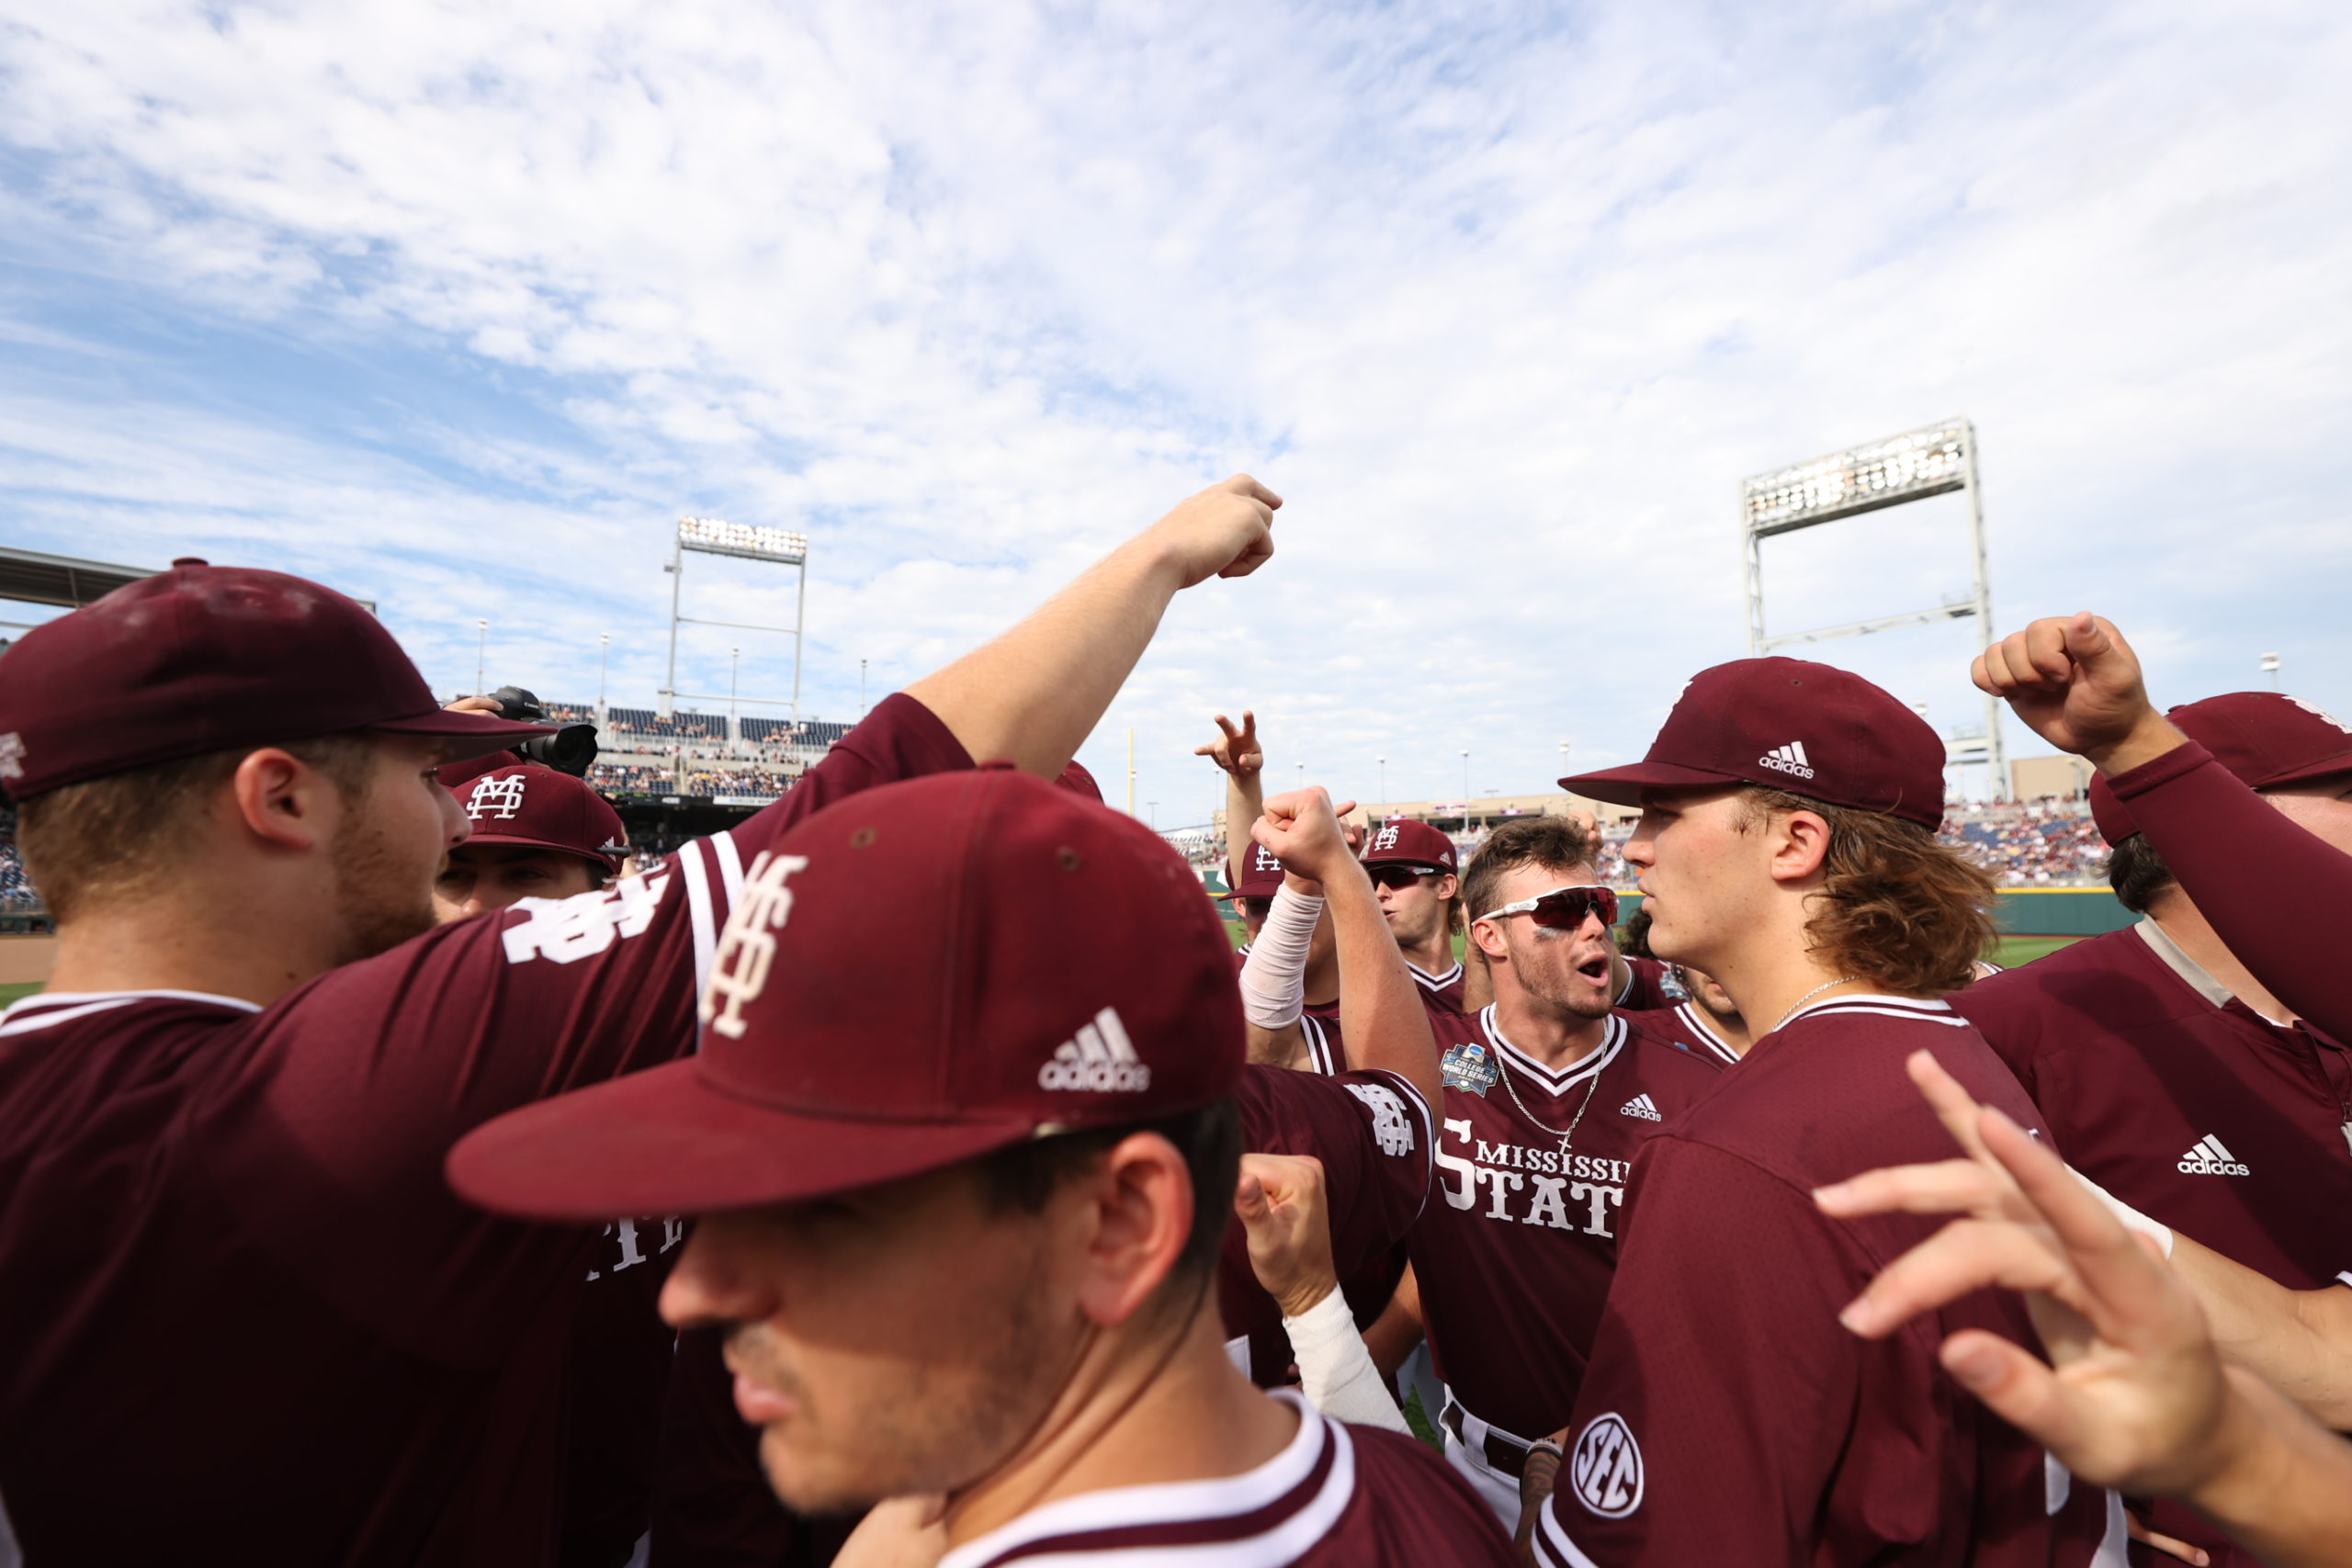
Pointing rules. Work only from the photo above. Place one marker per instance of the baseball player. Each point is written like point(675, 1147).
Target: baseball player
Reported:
point(1787, 847)
point(1549, 1093)
point(540, 833)
point(239, 1289)
point(2078, 684)
point(1038, 1123)
point(1414, 865)
point(536, 833)
point(2135, 1394)
point(2167, 1073)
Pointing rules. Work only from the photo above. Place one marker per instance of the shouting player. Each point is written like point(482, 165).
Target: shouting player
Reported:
point(1787, 849)
point(1038, 1122)
point(229, 1251)
point(1549, 1092)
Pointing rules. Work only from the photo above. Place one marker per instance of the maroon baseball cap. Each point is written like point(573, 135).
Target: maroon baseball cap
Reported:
point(1789, 724)
point(2268, 739)
point(1079, 782)
point(1261, 873)
point(539, 807)
point(1407, 841)
point(205, 658)
point(915, 975)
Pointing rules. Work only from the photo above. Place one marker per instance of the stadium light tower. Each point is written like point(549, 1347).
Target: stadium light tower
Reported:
point(1933, 460)
point(2270, 667)
point(604, 664)
point(744, 541)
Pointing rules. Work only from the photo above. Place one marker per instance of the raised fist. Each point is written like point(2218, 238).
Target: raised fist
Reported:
point(1301, 828)
point(2076, 683)
point(1227, 530)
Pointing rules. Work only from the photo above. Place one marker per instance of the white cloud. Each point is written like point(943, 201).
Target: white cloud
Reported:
point(1503, 300)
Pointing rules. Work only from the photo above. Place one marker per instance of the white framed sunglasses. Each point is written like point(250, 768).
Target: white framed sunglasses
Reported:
point(1563, 908)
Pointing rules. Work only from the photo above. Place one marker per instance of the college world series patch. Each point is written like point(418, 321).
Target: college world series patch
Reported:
point(1469, 1066)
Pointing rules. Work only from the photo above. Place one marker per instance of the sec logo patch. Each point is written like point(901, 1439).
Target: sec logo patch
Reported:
point(1606, 1469)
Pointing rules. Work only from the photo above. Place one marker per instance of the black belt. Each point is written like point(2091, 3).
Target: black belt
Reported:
point(1503, 1452)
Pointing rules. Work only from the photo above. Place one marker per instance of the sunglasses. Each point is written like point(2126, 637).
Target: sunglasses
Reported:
point(1563, 908)
point(1397, 876)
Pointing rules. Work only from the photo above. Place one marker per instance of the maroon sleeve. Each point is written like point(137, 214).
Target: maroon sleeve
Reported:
point(1717, 1399)
point(329, 1137)
point(1372, 1132)
point(2276, 895)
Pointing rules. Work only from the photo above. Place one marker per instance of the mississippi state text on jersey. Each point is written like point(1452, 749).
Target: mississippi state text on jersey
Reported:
point(1516, 1247)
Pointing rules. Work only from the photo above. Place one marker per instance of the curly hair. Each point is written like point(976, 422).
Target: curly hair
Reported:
point(1896, 907)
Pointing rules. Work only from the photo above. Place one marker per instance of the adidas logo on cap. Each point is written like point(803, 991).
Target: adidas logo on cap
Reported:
point(1101, 1058)
point(1789, 759)
point(2209, 1158)
point(1643, 1106)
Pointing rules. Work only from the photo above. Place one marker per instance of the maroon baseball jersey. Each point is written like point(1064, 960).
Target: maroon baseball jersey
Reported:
point(239, 1291)
point(2187, 1104)
point(1515, 1249)
point(1336, 1496)
point(1371, 1132)
point(1649, 985)
point(2273, 893)
point(1440, 993)
point(1725, 1402)
point(615, 1369)
point(1687, 1026)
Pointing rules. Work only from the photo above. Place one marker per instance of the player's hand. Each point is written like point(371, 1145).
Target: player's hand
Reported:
point(1236, 750)
point(477, 705)
point(2076, 683)
point(1227, 530)
point(1301, 828)
point(2134, 1394)
point(1284, 1211)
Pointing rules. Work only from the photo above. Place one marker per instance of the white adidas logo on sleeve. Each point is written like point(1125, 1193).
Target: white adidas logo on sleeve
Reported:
point(1789, 759)
point(2209, 1158)
point(1643, 1106)
point(1102, 1057)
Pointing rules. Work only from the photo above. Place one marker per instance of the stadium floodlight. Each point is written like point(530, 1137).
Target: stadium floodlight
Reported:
point(1935, 459)
point(746, 540)
point(1911, 466)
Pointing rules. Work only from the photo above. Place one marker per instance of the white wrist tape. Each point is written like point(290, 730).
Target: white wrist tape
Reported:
point(1273, 977)
point(1335, 1370)
point(2133, 1219)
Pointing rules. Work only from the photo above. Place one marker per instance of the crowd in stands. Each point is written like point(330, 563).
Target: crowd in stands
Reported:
point(2049, 843)
point(14, 888)
point(738, 781)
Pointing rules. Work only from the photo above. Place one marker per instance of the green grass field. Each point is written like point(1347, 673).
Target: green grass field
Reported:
point(2010, 952)
point(24, 988)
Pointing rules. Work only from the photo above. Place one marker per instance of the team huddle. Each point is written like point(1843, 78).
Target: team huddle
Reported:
point(391, 1175)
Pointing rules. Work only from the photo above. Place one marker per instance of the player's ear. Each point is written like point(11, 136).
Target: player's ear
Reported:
point(1799, 844)
point(282, 800)
point(1139, 1214)
point(1487, 938)
point(1448, 885)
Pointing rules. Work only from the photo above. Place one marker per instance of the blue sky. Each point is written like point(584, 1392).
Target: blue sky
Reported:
point(455, 307)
